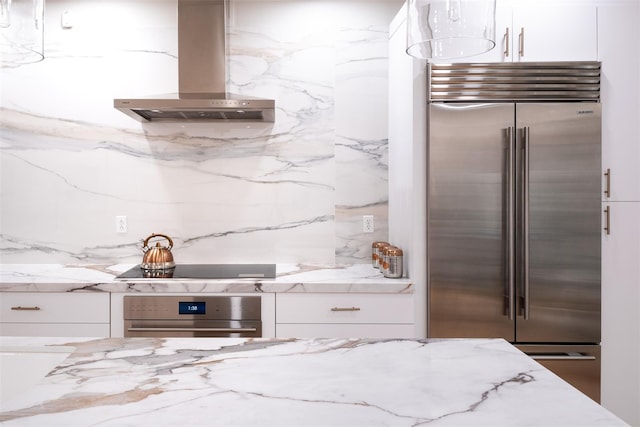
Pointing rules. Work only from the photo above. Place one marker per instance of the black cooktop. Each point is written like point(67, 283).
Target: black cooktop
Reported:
point(204, 271)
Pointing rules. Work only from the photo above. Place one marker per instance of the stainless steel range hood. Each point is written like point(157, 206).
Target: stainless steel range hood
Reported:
point(202, 73)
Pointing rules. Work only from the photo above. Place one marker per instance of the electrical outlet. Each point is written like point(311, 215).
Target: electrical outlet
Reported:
point(367, 223)
point(121, 224)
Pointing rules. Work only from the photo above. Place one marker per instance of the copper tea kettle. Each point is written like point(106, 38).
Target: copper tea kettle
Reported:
point(157, 257)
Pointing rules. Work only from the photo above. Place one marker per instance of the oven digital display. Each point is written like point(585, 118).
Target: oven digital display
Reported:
point(192, 307)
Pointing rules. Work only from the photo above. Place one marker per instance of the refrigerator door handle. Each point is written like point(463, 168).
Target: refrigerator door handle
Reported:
point(511, 205)
point(525, 222)
point(564, 356)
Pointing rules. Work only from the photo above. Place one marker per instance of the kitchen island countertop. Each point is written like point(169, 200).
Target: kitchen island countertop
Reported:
point(289, 278)
point(297, 382)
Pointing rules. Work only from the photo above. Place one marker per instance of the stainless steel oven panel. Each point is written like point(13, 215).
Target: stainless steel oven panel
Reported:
point(217, 307)
point(173, 316)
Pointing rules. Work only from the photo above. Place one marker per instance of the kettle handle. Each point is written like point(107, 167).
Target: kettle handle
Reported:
point(146, 241)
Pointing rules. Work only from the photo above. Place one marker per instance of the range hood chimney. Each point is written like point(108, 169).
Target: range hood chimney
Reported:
point(202, 73)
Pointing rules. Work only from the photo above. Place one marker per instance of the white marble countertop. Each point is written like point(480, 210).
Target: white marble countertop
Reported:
point(319, 382)
point(289, 278)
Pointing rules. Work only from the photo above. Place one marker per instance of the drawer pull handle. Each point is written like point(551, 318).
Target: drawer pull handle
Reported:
point(345, 309)
point(18, 308)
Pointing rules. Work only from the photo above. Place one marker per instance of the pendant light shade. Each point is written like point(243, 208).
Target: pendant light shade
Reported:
point(449, 29)
point(21, 32)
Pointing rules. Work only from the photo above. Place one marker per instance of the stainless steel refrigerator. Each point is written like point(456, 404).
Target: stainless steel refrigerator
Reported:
point(514, 210)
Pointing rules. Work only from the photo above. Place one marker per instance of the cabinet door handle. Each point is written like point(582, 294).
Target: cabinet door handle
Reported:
point(521, 42)
point(607, 185)
point(506, 42)
point(345, 309)
point(607, 220)
point(18, 308)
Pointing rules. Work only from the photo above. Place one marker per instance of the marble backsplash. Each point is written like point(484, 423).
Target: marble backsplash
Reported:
point(290, 191)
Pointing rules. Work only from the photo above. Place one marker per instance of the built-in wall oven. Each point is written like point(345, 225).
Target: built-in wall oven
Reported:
point(192, 316)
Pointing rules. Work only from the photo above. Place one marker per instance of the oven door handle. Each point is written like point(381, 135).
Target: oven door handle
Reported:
point(191, 329)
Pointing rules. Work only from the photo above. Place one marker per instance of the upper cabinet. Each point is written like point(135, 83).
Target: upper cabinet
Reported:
point(554, 33)
point(543, 32)
point(619, 52)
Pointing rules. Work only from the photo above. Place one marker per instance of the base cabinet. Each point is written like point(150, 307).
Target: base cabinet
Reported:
point(54, 314)
point(341, 330)
point(54, 330)
point(621, 311)
point(344, 316)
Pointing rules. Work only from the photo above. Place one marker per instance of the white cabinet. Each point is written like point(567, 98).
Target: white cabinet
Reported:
point(620, 312)
point(543, 31)
point(408, 178)
point(619, 52)
point(54, 314)
point(344, 315)
point(554, 33)
point(504, 36)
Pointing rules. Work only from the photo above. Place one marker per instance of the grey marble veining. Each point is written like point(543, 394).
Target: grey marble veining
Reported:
point(292, 191)
point(357, 278)
point(291, 382)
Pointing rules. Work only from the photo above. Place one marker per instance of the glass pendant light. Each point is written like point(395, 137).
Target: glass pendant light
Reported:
point(449, 29)
point(21, 32)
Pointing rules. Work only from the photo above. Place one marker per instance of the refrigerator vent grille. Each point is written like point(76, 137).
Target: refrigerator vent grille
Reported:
point(532, 81)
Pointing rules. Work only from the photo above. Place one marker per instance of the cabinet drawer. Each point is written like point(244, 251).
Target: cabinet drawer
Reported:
point(55, 330)
point(42, 307)
point(344, 308)
point(337, 330)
